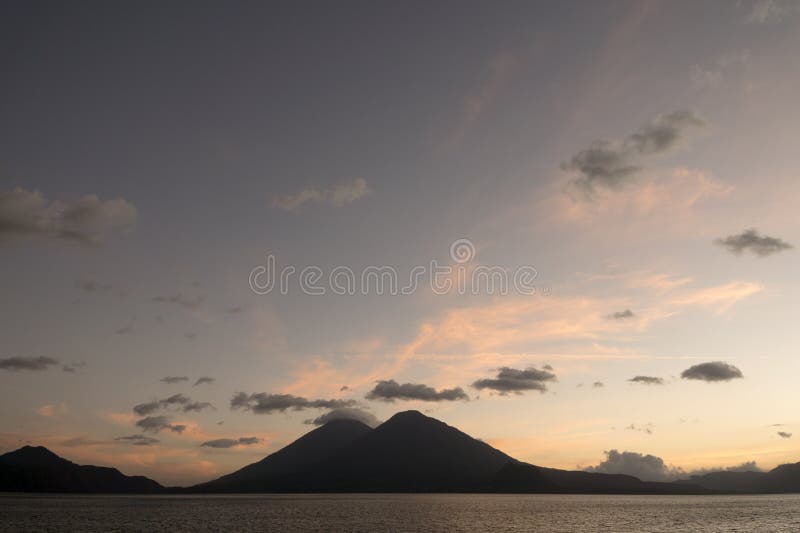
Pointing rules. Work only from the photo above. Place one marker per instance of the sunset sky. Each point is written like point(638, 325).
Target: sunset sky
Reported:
point(641, 156)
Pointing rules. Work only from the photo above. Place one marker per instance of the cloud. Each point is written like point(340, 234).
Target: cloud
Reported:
point(622, 315)
point(713, 371)
point(784, 434)
point(750, 241)
point(230, 443)
point(88, 285)
point(647, 428)
point(73, 367)
point(184, 402)
point(87, 220)
point(645, 467)
point(608, 164)
point(647, 380)
point(336, 196)
point(173, 379)
point(35, 364)
point(204, 379)
point(517, 381)
point(154, 424)
point(714, 75)
point(764, 11)
point(263, 403)
point(138, 440)
point(598, 385)
point(181, 300)
point(390, 390)
point(78, 442)
point(346, 413)
point(747, 466)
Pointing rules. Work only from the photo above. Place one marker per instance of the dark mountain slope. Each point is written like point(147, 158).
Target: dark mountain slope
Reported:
point(302, 454)
point(37, 469)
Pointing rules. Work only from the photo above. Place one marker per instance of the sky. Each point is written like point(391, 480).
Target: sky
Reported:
point(624, 172)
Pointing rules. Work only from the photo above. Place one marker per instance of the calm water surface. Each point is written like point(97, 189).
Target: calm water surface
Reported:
point(390, 512)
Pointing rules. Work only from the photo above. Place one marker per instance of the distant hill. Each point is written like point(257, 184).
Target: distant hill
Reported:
point(37, 469)
point(411, 452)
point(784, 478)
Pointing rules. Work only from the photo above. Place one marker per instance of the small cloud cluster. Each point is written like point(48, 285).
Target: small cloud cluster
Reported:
point(37, 364)
point(230, 443)
point(516, 381)
point(645, 467)
point(647, 428)
point(750, 241)
point(181, 300)
point(784, 434)
point(336, 196)
point(647, 380)
point(203, 379)
point(138, 440)
point(713, 371)
point(174, 379)
point(155, 424)
point(598, 385)
point(345, 413)
point(611, 164)
point(623, 315)
point(88, 220)
point(764, 11)
point(263, 403)
point(390, 390)
point(177, 400)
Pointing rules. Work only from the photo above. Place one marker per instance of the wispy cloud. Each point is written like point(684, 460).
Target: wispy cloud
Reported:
point(88, 220)
point(263, 403)
point(337, 196)
point(34, 364)
point(516, 381)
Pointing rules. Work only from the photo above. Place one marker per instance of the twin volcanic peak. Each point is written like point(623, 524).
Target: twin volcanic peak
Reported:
point(410, 452)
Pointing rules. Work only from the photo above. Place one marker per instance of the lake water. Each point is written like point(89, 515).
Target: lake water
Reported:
point(398, 512)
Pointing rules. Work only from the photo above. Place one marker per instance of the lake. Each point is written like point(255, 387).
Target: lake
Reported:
point(398, 512)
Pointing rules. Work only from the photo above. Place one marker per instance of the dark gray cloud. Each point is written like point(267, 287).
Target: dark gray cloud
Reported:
point(611, 164)
point(35, 364)
point(645, 467)
point(73, 367)
point(181, 401)
point(750, 241)
point(204, 379)
point(173, 379)
point(647, 380)
point(154, 424)
point(713, 371)
point(138, 440)
point(517, 381)
point(263, 403)
point(230, 443)
point(646, 428)
point(622, 315)
point(784, 434)
point(188, 302)
point(89, 285)
point(598, 384)
point(346, 413)
point(79, 442)
point(390, 390)
point(87, 220)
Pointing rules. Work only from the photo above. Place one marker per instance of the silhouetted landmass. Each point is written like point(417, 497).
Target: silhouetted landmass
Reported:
point(784, 478)
point(410, 452)
point(37, 469)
